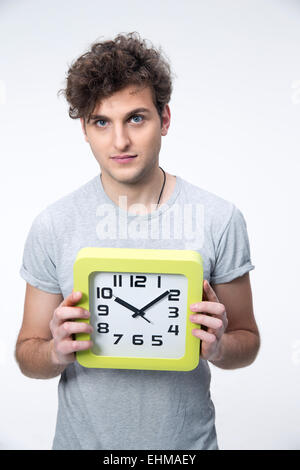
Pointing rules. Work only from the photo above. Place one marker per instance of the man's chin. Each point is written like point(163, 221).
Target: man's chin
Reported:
point(129, 176)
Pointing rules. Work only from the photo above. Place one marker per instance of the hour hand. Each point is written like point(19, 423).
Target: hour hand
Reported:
point(131, 307)
point(161, 296)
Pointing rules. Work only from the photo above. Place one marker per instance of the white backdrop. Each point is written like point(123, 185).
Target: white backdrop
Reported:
point(234, 131)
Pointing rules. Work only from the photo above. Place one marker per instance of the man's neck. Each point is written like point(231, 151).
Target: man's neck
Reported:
point(145, 192)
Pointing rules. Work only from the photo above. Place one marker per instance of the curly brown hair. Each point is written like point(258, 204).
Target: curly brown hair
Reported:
point(112, 65)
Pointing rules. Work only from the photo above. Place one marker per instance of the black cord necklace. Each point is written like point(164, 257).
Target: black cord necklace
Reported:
point(162, 186)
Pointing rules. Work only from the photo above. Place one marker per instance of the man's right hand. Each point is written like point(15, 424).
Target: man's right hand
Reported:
point(63, 327)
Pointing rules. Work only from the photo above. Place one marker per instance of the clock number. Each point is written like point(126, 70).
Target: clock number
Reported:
point(158, 281)
point(137, 339)
point(102, 309)
point(174, 294)
point(138, 282)
point(102, 327)
point(118, 338)
point(117, 280)
point(104, 292)
point(173, 310)
point(173, 329)
point(156, 341)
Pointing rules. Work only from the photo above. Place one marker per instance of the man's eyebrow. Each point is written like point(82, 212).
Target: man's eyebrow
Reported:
point(134, 111)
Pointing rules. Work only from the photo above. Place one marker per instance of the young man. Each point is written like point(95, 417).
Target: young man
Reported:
point(120, 91)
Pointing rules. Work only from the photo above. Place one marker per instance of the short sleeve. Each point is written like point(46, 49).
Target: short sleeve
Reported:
point(233, 250)
point(38, 265)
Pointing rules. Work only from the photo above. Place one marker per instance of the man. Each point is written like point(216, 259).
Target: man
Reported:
point(120, 91)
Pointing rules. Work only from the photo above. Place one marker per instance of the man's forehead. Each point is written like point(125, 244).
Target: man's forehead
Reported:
point(124, 99)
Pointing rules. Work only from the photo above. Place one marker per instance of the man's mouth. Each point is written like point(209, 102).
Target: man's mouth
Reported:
point(123, 158)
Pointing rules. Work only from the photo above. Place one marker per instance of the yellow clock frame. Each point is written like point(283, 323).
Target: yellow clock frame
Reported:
point(186, 262)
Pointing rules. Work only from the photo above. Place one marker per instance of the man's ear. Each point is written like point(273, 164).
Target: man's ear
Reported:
point(82, 120)
point(166, 120)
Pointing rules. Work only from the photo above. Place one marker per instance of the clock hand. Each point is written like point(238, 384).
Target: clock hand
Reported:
point(141, 312)
point(131, 307)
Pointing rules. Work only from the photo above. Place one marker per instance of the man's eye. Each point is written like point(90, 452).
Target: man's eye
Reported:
point(137, 119)
point(137, 116)
point(101, 121)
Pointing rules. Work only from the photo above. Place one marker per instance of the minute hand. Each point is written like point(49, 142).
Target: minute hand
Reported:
point(141, 312)
point(131, 307)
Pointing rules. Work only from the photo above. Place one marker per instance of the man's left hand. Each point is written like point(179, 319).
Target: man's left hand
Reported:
point(211, 315)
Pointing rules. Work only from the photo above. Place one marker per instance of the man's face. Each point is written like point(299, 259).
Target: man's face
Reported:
point(119, 127)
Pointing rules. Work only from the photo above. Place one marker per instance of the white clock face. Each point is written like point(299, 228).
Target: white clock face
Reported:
point(138, 315)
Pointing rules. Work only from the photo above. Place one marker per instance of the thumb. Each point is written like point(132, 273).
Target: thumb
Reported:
point(208, 292)
point(71, 299)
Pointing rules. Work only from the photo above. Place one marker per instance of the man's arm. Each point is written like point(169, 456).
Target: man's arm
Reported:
point(45, 345)
point(230, 338)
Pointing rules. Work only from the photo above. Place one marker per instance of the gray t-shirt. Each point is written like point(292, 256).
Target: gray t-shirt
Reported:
point(135, 409)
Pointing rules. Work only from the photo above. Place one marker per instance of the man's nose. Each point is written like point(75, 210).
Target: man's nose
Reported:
point(121, 139)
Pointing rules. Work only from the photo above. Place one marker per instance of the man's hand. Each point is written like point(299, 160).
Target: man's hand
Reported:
point(63, 328)
point(211, 315)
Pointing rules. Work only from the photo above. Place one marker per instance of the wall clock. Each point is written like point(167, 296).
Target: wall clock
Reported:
point(139, 301)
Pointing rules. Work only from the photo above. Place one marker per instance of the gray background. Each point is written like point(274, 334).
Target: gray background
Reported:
point(234, 131)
